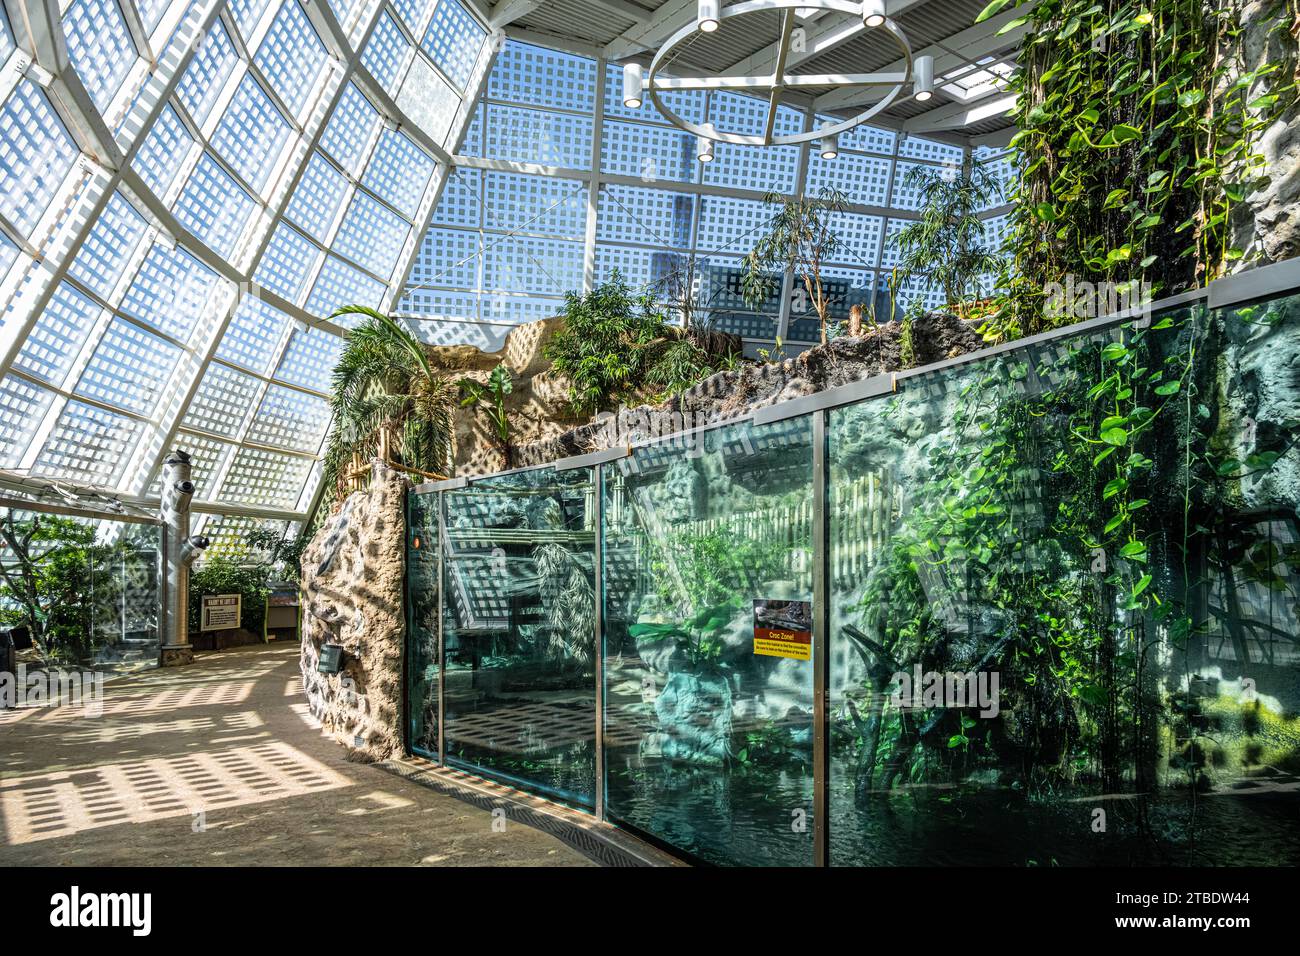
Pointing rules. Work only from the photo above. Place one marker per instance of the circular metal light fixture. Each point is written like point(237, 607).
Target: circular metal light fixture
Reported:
point(710, 13)
point(829, 146)
point(633, 80)
point(707, 14)
point(704, 144)
point(923, 79)
point(873, 12)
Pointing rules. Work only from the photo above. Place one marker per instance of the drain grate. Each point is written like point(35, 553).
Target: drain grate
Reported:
point(598, 842)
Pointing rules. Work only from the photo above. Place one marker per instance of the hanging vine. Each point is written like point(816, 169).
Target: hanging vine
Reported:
point(1138, 131)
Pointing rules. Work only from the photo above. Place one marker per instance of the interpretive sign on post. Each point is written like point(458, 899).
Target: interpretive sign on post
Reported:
point(219, 612)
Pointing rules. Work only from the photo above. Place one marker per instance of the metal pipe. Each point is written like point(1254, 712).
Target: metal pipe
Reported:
point(179, 550)
point(598, 656)
point(820, 645)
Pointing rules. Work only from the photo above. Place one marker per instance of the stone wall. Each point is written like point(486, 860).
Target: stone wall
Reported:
point(1267, 224)
point(352, 576)
point(936, 336)
point(535, 406)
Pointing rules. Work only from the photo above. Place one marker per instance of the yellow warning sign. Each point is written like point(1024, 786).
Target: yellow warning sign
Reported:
point(783, 629)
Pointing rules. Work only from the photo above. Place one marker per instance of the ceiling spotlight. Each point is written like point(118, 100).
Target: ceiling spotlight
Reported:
point(707, 17)
point(829, 146)
point(923, 78)
point(632, 84)
point(873, 12)
point(704, 147)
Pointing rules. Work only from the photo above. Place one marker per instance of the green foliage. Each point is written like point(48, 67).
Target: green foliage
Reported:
point(708, 570)
point(614, 347)
point(387, 401)
point(231, 573)
point(799, 238)
point(58, 581)
point(285, 552)
point(490, 397)
point(945, 243)
point(699, 637)
point(47, 581)
point(1055, 494)
point(1136, 145)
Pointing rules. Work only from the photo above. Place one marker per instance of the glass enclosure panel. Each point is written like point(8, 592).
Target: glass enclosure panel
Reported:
point(84, 591)
point(1063, 604)
point(422, 585)
point(708, 671)
point(519, 630)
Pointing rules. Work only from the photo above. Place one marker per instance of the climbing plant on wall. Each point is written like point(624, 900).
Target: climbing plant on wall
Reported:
point(1138, 123)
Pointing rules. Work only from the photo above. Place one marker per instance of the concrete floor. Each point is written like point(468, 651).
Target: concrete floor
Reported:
point(220, 763)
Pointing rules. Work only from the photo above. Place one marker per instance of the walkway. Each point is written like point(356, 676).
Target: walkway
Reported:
point(220, 763)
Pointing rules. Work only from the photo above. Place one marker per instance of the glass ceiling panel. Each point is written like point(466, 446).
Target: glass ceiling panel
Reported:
point(318, 198)
point(170, 292)
point(223, 401)
point(502, 248)
point(22, 406)
point(388, 53)
point(151, 12)
point(247, 13)
point(309, 359)
point(129, 368)
point(292, 56)
point(399, 172)
point(214, 207)
point(57, 338)
point(164, 152)
point(203, 81)
point(100, 47)
point(102, 260)
point(36, 154)
point(251, 134)
point(290, 419)
point(453, 41)
point(88, 444)
point(288, 264)
point(253, 336)
point(349, 131)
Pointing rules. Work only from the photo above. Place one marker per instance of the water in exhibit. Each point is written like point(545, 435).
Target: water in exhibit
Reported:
point(1061, 614)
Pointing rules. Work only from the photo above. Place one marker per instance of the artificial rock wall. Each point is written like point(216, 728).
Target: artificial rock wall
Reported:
point(935, 336)
point(535, 406)
point(352, 577)
point(1267, 225)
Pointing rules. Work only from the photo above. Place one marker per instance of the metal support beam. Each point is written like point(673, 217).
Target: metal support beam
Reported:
point(961, 115)
point(971, 44)
point(598, 654)
point(821, 622)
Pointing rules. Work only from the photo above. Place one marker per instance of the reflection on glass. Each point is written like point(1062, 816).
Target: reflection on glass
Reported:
point(1062, 632)
point(1063, 606)
point(708, 677)
point(519, 630)
point(422, 623)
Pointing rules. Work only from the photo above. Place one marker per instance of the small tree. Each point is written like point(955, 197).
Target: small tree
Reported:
point(491, 397)
point(46, 580)
point(388, 401)
point(946, 242)
point(798, 238)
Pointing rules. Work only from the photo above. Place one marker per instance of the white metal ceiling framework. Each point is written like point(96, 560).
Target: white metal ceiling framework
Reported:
point(187, 187)
point(558, 182)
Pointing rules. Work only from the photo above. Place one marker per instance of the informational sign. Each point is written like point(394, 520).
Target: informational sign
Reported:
point(282, 596)
point(219, 612)
point(783, 629)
